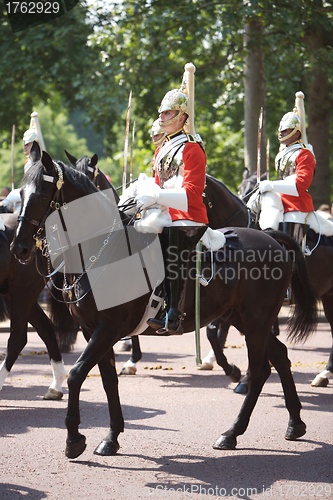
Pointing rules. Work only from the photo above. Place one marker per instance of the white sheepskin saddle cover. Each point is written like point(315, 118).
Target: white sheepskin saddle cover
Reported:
point(320, 224)
point(270, 208)
point(213, 239)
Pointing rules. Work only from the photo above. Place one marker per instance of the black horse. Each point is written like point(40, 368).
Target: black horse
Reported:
point(20, 288)
point(217, 331)
point(320, 273)
point(243, 280)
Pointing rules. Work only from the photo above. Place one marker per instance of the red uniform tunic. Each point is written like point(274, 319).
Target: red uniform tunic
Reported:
point(194, 177)
point(305, 167)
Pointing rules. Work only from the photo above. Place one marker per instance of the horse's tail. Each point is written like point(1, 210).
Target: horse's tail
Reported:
point(66, 327)
point(4, 311)
point(304, 319)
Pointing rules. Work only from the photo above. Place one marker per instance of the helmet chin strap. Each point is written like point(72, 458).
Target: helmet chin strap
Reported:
point(286, 137)
point(172, 120)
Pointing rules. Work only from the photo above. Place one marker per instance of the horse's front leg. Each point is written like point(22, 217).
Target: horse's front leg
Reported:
point(109, 446)
point(45, 329)
point(17, 340)
point(259, 371)
point(99, 349)
point(129, 367)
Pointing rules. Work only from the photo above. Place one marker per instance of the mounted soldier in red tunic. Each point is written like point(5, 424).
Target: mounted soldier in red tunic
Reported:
point(287, 201)
point(180, 169)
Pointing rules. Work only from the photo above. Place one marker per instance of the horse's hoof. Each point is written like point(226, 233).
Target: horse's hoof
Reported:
point(225, 443)
point(107, 448)
point(295, 431)
point(128, 370)
point(236, 374)
point(53, 395)
point(319, 381)
point(205, 366)
point(241, 388)
point(75, 449)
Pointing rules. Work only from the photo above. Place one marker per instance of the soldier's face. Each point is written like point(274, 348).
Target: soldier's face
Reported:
point(171, 120)
point(289, 140)
point(27, 148)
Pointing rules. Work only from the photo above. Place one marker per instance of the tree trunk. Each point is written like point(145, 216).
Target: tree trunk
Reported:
point(254, 95)
point(318, 111)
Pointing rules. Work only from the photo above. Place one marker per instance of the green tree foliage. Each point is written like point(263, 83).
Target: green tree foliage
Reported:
point(58, 135)
point(90, 59)
point(143, 45)
point(44, 64)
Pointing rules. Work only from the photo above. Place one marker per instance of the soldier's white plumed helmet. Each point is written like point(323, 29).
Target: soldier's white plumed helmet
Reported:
point(174, 100)
point(156, 128)
point(290, 120)
point(30, 135)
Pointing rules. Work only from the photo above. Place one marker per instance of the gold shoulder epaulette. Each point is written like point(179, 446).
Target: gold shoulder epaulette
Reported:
point(190, 138)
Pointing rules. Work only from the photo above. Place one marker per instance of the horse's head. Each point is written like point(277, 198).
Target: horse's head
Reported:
point(89, 167)
point(223, 207)
point(248, 185)
point(85, 164)
point(44, 190)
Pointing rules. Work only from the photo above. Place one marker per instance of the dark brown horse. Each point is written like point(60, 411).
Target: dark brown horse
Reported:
point(248, 290)
point(20, 287)
point(320, 272)
point(216, 331)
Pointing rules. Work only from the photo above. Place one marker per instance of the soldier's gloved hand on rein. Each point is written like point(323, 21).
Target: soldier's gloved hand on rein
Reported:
point(145, 201)
point(265, 186)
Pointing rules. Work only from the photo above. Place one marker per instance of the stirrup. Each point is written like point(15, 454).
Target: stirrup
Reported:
point(163, 325)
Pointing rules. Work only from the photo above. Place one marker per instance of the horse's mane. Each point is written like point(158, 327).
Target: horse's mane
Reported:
point(226, 189)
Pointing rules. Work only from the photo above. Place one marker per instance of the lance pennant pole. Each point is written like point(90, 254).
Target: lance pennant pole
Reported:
point(12, 155)
point(259, 143)
point(128, 118)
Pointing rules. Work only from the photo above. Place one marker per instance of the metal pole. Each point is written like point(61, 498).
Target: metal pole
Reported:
point(12, 155)
point(131, 155)
point(267, 158)
point(128, 116)
point(197, 304)
point(259, 143)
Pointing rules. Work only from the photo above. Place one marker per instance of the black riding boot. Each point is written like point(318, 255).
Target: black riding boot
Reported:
point(295, 229)
point(177, 244)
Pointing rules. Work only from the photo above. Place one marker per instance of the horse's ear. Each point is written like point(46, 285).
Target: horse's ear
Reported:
point(71, 158)
point(47, 162)
point(35, 152)
point(246, 174)
point(94, 160)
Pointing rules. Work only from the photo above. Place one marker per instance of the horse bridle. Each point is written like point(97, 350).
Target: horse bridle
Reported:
point(55, 204)
point(209, 206)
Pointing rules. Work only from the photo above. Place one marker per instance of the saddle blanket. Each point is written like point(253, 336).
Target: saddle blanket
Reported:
point(231, 242)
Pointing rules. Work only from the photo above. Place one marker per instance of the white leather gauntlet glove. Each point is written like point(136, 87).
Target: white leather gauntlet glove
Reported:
point(285, 186)
point(171, 198)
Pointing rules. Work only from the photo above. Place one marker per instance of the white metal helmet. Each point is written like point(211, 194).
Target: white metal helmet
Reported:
point(156, 128)
point(174, 100)
point(30, 135)
point(290, 120)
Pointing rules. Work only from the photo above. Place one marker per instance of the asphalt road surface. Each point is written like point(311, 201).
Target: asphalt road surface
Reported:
point(173, 415)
